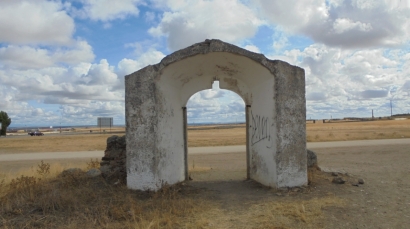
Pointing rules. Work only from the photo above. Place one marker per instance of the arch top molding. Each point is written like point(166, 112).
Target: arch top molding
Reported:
point(209, 46)
point(273, 90)
point(236, 69)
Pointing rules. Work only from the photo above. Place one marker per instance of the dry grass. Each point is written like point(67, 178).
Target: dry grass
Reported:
point(41, 171)
point(214, 136)
point(293, 214)
point(345, 131)
point(47, 200)
point(42, 198)
point(54, 143)
point(319, 132)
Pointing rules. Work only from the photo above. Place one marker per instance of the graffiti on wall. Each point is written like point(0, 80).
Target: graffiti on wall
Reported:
point(260, 127)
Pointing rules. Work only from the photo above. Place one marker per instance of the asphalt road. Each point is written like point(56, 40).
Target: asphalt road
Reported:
point(200, 150)
point(310, 145)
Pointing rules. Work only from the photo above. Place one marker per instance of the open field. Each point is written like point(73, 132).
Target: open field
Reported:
point(218, 196)
point(345, 131)
point(80, 140)
point(318, 132)
point(53, 143)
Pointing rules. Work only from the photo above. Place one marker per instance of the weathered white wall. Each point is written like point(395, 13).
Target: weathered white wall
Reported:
point(290, 111)
point(170, 136)
point(262, 132)
point(156, 95)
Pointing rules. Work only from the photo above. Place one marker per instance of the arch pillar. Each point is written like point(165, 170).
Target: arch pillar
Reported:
point(274, 94)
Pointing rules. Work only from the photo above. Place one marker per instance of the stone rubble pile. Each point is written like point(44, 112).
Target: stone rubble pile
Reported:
point(113, 164)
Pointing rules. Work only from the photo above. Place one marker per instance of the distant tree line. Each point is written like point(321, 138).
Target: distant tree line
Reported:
point(401, 115)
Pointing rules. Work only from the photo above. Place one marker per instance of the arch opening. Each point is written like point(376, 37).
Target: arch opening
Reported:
point(214, 106)
point(216, 118)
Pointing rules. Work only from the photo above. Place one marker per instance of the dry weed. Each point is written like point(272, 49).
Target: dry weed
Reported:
point(93, 164)
point(292, 214)
point(43, 169)
point(77, 201)
point(2, 186)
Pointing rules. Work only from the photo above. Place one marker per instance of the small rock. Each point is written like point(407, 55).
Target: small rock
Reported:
point(311, 158)
point(71, 172)
point(102, 163)
point(360, 181)
point(357, 185)
point(93, 172)
point(338, 180)
point(335, 174)
point(105, 169)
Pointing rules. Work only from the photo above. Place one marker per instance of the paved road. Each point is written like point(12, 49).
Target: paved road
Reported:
point(378, 142)
point(51, 155)
point(310, 145)
point(199, 150)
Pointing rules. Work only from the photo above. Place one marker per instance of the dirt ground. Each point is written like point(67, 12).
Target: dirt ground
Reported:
point(383, 201)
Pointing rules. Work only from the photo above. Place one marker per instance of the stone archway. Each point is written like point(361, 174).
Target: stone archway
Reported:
point(156, 97)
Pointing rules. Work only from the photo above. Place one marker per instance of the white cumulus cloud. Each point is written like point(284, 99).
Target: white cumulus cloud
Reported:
point(342, 25)
point(106, 10)
point(186, 22)
point(352, 82)
point(348, 24)
point(29, 57)
point(34, 22)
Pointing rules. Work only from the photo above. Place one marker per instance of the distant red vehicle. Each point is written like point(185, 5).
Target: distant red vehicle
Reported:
point(35, 133)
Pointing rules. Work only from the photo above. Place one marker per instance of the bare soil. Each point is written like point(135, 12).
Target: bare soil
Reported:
point(225, 199)
point(383, 201)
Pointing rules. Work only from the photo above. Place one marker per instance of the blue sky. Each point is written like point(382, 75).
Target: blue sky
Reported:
point(65, 61)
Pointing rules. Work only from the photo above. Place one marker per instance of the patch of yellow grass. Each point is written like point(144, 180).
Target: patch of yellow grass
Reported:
point(54, 170)
point(345, 131)
point(211, 136)
point(293, 214)
point(43, 199)
point(40, 198)
point(318, 132)
point(54, 143)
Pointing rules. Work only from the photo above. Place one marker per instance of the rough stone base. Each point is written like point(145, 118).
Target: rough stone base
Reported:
point(113, 164)
point(311, 159)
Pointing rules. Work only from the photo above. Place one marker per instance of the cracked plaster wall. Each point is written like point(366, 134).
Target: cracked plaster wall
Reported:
point(156, 94)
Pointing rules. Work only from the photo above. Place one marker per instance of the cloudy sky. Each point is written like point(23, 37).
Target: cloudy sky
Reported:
point(65, 61)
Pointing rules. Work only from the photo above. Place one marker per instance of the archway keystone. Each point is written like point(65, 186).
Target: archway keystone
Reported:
point(155, 107)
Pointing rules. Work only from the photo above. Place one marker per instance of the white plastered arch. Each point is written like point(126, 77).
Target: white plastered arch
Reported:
point(156, 97)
